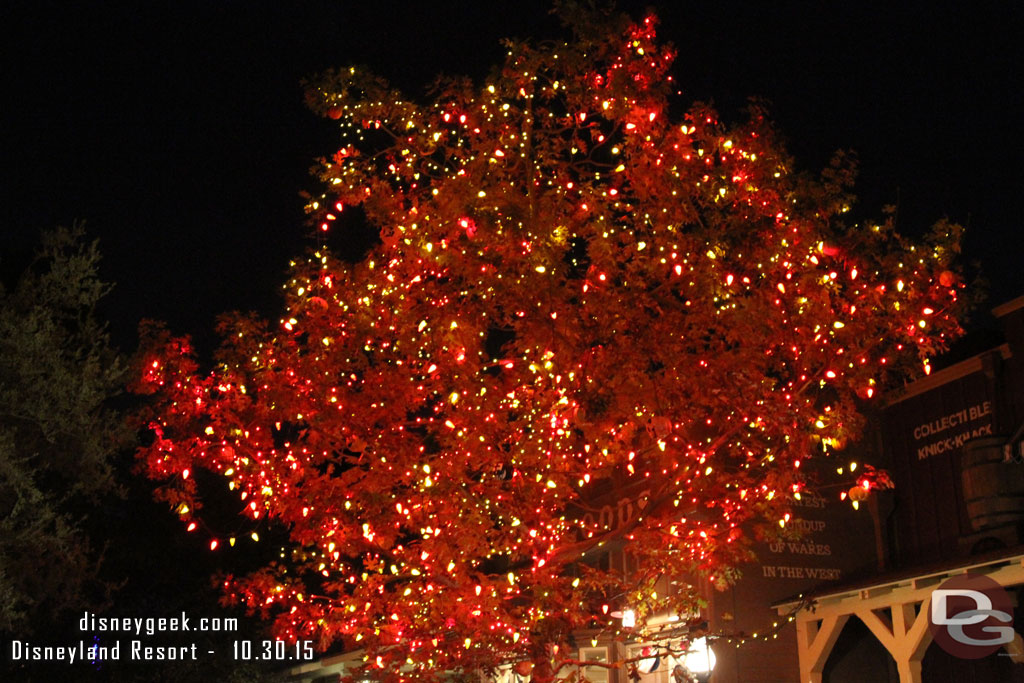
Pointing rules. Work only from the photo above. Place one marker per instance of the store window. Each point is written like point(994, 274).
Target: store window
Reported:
point(594, 674)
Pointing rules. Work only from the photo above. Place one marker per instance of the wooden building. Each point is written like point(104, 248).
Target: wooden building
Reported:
point(954, 443)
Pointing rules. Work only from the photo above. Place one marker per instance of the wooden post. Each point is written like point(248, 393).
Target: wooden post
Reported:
point(906, 638)
point(815, 639)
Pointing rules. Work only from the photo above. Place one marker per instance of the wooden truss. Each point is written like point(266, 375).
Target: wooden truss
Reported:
point(895, 611)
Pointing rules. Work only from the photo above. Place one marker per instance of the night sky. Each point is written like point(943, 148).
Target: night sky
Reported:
point(177, 130)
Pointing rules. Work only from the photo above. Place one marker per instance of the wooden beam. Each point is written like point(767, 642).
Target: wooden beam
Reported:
point(906, 637)
point(815, 639)
point(880, 627)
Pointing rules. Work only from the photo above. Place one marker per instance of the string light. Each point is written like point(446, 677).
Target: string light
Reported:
point(586, 327)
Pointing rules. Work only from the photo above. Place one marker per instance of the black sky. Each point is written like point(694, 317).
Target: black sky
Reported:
point(177, 130)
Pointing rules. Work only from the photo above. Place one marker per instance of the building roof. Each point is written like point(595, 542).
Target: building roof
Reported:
point(926, 574)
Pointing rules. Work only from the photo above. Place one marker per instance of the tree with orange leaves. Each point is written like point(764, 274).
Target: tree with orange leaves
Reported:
point(575, 296)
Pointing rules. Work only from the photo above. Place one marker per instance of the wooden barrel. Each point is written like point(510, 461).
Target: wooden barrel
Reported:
point(993, 489)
